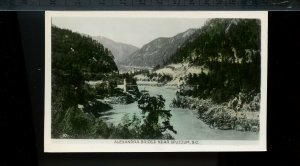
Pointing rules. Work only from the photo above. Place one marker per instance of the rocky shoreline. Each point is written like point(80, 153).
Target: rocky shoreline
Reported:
point(240, 113)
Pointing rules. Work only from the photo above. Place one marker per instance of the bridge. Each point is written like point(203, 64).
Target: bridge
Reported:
point(145, 84)
point(125, 85)
point(158, 84)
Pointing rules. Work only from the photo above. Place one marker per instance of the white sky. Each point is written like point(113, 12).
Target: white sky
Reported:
point(135, 31)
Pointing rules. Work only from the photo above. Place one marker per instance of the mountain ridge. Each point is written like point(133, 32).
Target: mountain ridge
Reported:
point(120, 50)
point(158, 51)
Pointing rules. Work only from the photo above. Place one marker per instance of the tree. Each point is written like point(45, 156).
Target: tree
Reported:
point(157, 119)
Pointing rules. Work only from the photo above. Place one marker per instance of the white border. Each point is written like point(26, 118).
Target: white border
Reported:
point(94, 145)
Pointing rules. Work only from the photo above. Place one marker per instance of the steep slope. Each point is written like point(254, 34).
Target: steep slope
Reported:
point(222, 40)
point(74, 59)
point(226, 94)
point(158, 51)
point(120, 51)
point(230, 50)
point(73, 51)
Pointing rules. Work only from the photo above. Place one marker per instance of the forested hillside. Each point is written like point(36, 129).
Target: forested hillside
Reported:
point(70, 48)
point(226, 91)
point(74, 59)
point(230, 50)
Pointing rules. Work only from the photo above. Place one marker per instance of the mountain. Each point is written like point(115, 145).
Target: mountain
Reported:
point(158, 51)
point(229, 51)
point(74, 52)
point(120, 50)
point(222, 40)
point(76, 59)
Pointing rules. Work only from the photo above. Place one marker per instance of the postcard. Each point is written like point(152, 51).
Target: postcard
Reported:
point(155, 81)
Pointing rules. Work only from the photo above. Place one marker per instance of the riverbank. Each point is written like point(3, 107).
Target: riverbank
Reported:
point(240, 113)
point(185, 121)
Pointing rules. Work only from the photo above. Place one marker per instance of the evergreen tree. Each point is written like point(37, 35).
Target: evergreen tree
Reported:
point(157, 118)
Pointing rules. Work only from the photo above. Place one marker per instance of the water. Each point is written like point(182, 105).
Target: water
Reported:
point(184, 121)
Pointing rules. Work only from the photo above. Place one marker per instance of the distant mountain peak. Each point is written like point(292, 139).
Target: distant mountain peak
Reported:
point(117, 42)
point(158, 51)
point(120, 50)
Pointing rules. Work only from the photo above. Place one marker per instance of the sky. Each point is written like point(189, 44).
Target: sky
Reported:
point(134, 31)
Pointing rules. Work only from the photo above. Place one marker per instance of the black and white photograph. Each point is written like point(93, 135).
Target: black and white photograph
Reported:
point(155, 81)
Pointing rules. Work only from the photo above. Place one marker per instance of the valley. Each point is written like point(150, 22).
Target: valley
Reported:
point(201, 84)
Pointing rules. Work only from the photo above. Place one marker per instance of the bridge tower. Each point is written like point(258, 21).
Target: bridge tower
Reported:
point(178, 83)
point(125, 85)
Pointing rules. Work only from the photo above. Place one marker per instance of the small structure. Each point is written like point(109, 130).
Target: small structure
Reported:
point(125, 85)
point(150, 71)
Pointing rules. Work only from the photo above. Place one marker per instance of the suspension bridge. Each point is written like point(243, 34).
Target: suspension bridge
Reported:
point(154, 84)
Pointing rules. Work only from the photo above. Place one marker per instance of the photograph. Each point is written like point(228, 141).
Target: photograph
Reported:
point(155, 81)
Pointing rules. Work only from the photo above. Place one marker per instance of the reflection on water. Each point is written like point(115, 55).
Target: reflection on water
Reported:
point(185, 121)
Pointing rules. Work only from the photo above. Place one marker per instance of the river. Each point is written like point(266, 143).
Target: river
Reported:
point(184, 121)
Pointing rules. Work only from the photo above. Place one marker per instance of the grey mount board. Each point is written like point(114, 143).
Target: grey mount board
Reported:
point(149, 5)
